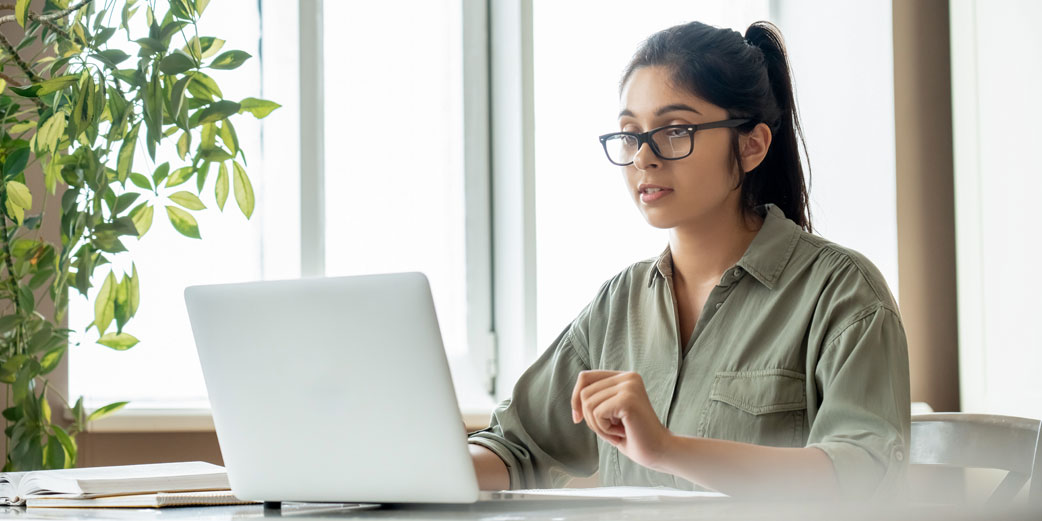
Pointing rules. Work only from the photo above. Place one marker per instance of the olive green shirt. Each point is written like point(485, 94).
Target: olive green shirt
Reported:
point(800, 344)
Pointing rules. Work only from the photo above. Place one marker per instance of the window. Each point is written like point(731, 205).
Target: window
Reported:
point(163, 369)
point(394, 183)
point(393, 189)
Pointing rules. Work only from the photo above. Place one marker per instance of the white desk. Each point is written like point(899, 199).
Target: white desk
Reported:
point(727, 509)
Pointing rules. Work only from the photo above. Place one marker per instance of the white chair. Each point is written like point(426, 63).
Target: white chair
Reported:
point(982, 441)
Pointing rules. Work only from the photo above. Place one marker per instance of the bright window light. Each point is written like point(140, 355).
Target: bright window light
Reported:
point(394, 153)
point(162, 371)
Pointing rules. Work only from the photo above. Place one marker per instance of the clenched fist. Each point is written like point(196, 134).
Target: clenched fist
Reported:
point(616, 407)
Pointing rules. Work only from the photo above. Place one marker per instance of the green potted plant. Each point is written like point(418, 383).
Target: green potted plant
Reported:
point(73, 111)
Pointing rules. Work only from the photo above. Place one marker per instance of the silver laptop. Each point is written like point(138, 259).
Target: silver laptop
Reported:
point(332, 389)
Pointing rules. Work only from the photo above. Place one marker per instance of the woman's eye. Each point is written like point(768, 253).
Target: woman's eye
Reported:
point(676, 132)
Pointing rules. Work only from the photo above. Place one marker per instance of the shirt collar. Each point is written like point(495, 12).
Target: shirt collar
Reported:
point(663, 266)
point(766, 256)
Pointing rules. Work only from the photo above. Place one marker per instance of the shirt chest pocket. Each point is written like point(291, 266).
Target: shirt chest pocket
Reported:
point(765, 407)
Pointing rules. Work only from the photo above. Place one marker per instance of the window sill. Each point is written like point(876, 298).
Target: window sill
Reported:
point(200, 420)
point(154, 420)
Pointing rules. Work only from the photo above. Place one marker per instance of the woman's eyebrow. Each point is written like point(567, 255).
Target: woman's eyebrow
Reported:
point(675, 106)
point(662, 110)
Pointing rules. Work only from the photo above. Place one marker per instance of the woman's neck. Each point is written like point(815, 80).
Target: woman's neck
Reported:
point(703, 251)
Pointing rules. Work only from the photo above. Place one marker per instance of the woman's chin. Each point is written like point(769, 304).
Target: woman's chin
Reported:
point(660, 221)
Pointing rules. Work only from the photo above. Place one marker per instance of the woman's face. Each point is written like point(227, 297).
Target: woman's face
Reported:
point(693, 188)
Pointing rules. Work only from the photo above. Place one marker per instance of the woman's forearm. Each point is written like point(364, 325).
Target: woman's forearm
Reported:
point(744, 469)
point(492, 472)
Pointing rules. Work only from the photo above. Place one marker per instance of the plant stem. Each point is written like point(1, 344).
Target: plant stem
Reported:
point(66, 34)
point(33, 78)
point(10, 265)
point(10, 81)
point(10, 273)
point(46, 19)
point(43, 211)
point(7, 405)
point(18, 59)
point(52, 16)
point(48, 387)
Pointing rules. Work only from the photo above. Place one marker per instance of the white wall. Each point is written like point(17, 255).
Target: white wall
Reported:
point(996, 82)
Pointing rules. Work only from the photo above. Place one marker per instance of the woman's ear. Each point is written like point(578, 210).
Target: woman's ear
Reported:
point(753, 146)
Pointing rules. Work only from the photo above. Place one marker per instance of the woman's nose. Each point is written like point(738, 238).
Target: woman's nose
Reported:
point(645, 158)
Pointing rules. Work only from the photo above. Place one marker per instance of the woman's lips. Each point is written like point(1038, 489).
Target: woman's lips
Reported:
point(650, 196)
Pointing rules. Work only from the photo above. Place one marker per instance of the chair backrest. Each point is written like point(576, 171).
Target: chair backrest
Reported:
point(1035, 492)
point(990, 441)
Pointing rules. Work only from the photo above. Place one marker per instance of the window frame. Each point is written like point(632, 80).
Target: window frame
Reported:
point(307, 101)
point(512, 176)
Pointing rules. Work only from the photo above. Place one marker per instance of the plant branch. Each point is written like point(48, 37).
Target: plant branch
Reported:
point(59, 30)
point(33, 77)
point(10, 274)
point(48, 387)
point(10, 265)
point(18, 59)
point(53, 16)
point(23, 66)
point(7, 405)
point(10, 81)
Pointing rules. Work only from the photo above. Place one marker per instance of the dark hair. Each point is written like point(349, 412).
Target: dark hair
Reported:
point(749, 77)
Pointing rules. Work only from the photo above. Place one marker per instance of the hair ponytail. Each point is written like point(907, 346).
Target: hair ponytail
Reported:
point(750, 78)
point(782, 163)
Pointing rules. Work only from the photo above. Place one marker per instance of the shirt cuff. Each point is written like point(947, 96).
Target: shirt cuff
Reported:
point(490, 443)
point(860, 473)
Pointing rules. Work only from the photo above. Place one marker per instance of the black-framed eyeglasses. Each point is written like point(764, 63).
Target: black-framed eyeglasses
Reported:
point(669, 142)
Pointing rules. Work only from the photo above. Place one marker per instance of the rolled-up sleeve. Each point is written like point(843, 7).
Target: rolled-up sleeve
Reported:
point(863, 422)
point(532, 431)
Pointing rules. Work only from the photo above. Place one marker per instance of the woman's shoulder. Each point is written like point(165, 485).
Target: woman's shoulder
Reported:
point(621, 290)
point(626, 285)
point(841, 271)
point(636, 277)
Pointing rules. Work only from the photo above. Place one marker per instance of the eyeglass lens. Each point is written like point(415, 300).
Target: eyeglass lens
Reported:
point(671, 143)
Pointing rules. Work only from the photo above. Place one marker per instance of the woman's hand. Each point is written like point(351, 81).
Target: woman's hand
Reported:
point(616, 407)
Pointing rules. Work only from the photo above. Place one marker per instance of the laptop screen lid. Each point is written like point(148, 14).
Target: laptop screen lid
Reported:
point(332, 389)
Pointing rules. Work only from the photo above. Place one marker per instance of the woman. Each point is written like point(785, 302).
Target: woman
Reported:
point(751, 357)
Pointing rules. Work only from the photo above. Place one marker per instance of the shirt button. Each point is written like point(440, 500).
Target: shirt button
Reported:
point(899, 455)
point(718, 304)
point(737, 272)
